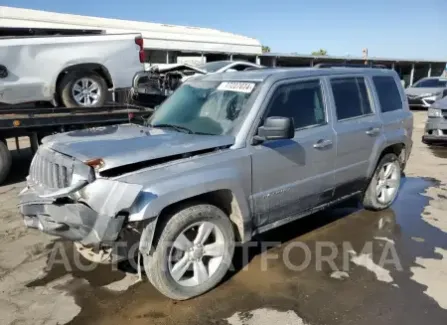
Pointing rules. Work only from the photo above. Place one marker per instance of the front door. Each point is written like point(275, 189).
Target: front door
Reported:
point(358, 129)
point(291, 176)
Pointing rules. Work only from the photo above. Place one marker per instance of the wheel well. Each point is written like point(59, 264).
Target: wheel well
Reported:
point(96, 67)
point(398, 149)
point(223, 199)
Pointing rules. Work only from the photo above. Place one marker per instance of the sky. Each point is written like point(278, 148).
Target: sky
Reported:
point(388, 28)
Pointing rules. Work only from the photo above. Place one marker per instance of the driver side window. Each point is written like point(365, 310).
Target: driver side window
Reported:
point(302, 101)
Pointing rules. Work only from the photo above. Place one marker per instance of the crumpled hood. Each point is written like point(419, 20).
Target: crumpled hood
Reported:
point(162, 68)
point(120, 145)
point(420, 91)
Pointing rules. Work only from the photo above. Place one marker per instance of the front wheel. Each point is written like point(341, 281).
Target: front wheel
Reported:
point(193, 252)
point(384, 185)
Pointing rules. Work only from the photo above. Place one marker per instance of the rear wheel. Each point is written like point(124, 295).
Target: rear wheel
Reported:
point(384, 185)
point(193, 253)
point(5, 161)
point(83, 89)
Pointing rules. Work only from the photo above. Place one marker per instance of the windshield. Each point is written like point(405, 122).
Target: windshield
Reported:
point(431, 83)
point(214, 66)
point(207, 107)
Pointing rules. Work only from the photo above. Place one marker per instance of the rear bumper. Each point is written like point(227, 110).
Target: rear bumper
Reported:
point(73, 221)
point(435, 131)
point(431, 139)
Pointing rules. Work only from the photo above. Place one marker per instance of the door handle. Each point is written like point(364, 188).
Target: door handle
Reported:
point(373, 131)
point(321, 144)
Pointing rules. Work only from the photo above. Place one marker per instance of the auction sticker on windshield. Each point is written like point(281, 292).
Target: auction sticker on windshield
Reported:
point(242, 87)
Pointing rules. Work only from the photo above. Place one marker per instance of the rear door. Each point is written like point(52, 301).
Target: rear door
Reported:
point(358, 129)
point(392, 103)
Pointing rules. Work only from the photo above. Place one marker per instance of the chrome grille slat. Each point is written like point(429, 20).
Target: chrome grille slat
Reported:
point(46, 172)
point(51, 169)
point(39, 169)
point(64, 174)
point(57, 171)
point(54, 182)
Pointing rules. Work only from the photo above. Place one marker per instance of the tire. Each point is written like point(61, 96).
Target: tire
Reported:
point(373, 200)
point(158, 266)
point(71, 79)
point(5, 161)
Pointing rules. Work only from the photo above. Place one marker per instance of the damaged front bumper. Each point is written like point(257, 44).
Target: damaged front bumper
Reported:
point(96, 217)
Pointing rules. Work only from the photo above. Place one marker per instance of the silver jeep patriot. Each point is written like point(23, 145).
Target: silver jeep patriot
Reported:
point(226, 157)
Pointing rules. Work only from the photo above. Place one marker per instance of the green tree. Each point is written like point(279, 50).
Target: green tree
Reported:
point(320, 52)
point(265, 49)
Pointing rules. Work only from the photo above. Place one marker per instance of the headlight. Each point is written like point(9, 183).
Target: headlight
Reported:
point(434, 112)
point(426, 95)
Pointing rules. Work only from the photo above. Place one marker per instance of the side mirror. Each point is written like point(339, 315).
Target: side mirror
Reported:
point(276, 128)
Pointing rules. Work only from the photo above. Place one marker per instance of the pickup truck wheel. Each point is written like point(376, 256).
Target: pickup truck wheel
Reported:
point(384, 185)
point(193, 252)
point(83, 89)
point(5, 161)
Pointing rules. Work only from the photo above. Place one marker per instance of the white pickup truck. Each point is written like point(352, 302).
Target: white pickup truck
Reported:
point(72, 71)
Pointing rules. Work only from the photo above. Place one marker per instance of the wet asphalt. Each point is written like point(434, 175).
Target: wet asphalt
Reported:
point(261, 282)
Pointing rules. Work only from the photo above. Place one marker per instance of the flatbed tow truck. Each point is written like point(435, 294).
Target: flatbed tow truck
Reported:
point(37, 122)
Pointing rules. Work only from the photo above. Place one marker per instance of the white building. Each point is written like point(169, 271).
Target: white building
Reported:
point(164, 43)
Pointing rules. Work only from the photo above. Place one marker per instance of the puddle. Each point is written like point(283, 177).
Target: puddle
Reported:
point(265, 282)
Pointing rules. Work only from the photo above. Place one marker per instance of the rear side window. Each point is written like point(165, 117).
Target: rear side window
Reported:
point(302, 101)
point(388, 93)
point(351, 97)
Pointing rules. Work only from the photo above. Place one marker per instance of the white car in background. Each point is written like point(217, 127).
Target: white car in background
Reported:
point(228, 66)
point(70, 71)
point(153, 86)
point(426, 91)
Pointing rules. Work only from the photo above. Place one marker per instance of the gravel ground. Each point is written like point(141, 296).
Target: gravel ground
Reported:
point(35, 291)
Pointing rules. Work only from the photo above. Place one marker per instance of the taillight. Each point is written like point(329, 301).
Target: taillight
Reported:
point(140, 42)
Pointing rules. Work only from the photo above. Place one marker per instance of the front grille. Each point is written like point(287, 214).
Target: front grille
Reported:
point(51, 169)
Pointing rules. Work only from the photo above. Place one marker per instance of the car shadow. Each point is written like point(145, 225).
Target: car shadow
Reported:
point(439, 151)
point(278, 236)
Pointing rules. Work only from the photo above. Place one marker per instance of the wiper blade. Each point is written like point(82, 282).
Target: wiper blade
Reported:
point(180, 128)
point(203, 133)
point(175, 127)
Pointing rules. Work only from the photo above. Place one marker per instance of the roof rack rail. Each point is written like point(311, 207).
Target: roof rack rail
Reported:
point(348, 65)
